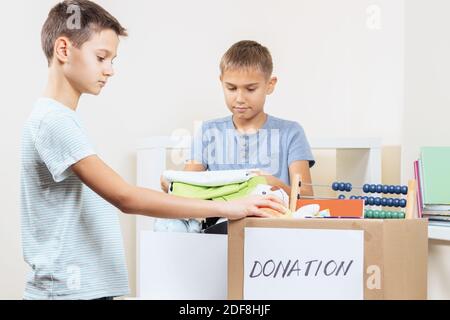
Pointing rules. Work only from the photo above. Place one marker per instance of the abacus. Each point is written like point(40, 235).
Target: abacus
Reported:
point(408, 203)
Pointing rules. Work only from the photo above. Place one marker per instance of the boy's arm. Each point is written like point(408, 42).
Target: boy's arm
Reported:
point(93, 172)
point(193, 165)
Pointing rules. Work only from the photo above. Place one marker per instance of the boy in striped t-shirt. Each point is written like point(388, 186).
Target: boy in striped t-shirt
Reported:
point(70, 230)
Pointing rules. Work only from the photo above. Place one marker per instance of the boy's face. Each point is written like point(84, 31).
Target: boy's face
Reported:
point(245, 91)
point(88, 68)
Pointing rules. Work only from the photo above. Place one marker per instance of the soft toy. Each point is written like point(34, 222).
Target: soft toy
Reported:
point(265, 189)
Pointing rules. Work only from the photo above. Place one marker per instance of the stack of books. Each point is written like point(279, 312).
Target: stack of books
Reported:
point(432, 172)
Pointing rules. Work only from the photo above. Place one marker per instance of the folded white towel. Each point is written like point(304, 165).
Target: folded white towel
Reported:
point(209, 178)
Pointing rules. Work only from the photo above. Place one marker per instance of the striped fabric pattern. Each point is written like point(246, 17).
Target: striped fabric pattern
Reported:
point(71, 237)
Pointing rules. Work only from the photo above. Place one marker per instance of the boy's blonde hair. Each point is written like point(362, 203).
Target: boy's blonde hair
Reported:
point(92, 18)
point(247, 54)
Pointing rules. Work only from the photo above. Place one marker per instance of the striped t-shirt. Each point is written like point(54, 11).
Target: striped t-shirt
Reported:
point(71, 237)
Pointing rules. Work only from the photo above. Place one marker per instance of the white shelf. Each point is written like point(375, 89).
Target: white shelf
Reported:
point(436, 232)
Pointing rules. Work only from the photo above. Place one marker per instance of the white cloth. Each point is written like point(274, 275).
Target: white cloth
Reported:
point(210, 178)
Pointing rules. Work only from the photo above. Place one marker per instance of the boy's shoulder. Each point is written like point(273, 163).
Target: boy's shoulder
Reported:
point(217, 122)
point(48, 116)
point(46, 110)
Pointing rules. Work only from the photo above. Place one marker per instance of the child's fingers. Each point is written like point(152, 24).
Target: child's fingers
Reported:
point(272, 205)
point(256, 212)
point(274, 198)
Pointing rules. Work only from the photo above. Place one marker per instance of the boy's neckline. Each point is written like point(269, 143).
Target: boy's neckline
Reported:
point(245, 133)
point(56, 103)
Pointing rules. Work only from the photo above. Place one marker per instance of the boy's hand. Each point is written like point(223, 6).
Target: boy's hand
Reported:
point(164, 184)
point(253, 207)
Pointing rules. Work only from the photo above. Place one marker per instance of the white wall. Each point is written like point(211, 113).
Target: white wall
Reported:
point(340, 66)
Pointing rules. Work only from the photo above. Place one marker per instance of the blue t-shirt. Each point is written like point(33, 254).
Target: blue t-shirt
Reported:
point(219, 146)
point(71, 237)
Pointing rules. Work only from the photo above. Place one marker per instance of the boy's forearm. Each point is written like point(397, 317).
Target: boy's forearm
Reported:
point(161, 205)
point(193, 166)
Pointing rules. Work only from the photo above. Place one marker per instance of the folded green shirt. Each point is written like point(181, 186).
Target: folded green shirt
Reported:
point(221, 193)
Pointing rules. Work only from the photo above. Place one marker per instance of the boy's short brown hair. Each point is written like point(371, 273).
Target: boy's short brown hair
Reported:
point(247, 54)
point(76, 20)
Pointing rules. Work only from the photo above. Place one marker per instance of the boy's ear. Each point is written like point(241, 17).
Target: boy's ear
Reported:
point(272, 82)
point(61, 50)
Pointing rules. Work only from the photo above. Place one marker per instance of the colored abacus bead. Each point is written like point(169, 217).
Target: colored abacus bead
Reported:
point(348, 187)
point(394, 214)
point(375, 214)
point(401, 215)
point(373, 188)
point(369, 214)
point(341, 186)
point(404, 190)
point(335, 186)
point(389, 202)
point(379, 188)
point(396, 203)
point(388, 215)
point(377, 201)
point(341, 196)
point(370, 201)
point(398, 189)
point(402, 203)
point(385, 189)
point(366, 188)
point(391, 189)
point(365, 200)
point(381, 215)
point(383, 202)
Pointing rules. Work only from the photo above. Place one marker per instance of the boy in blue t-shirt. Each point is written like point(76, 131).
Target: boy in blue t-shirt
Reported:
point(250, 138)
point(71, 236)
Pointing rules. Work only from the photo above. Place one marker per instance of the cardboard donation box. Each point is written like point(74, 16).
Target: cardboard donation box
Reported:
point(327, 259)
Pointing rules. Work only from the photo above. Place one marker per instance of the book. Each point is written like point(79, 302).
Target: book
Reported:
point(419, 189)
point(435, 166)
point(436, 213)
point(439, 223)
point(436, 207)
point(438, 218)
